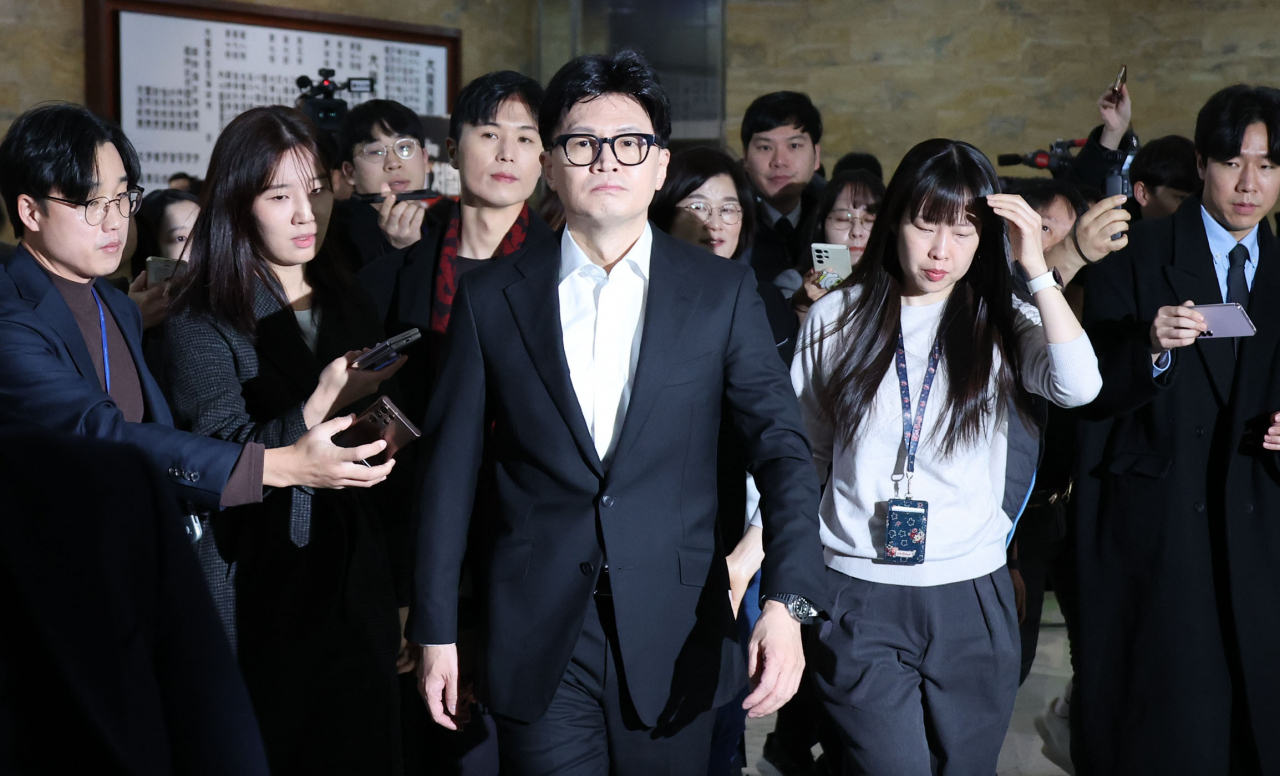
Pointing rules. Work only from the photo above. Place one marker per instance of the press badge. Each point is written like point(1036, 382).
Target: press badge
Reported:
point(905, 528)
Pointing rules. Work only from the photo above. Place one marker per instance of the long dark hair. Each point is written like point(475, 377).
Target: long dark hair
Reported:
point(940, 181)
point(686, 172)
point(228, 258)
point(149, 219)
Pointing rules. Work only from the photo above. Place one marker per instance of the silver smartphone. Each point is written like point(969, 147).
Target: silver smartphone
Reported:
point(162, 270)
point(833, 258)
point(1225, 320)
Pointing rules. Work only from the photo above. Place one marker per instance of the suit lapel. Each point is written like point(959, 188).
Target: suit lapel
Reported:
point(35, 286)
point(1192, 277)
point(280, 342)
point(670, 303)
point(1255, 363)
point(535, 305)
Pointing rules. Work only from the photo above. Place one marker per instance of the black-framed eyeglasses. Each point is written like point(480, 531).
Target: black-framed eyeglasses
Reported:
point(730, 213)
point(405, 148)
point(95, 210)
point(629, 149)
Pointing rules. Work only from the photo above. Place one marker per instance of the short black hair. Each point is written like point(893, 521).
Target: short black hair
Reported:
point(686, 172)
point(1222, 121)
point(55, 147)
point(1041, 192)
point(391, 117)
point(781, 109)
point(589, 77)
point(478, 102)
point(1167, 161)
point(150, 216)
point(859, 160)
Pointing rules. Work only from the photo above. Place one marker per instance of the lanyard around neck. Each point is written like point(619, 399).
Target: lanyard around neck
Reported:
point(911, 424)
point(106, 354)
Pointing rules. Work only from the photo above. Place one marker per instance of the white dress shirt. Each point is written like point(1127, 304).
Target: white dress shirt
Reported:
point(601, 316)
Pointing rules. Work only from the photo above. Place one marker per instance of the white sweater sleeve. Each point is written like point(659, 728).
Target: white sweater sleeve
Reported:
point(807, 377)
point(1065, 373)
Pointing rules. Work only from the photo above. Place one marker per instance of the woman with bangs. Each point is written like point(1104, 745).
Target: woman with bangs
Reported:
point(845, 214)
point(910, 377)
point(258, 348)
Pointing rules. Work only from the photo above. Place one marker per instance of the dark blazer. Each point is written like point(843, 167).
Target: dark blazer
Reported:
point(560, 512)
point(49, 380)
point(312, 567)
point(112, 660)
point(402, 284)
point(1176, 504)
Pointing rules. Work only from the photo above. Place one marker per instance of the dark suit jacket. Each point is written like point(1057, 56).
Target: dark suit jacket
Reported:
point(560, 513)
point(49, 380)
point(402, 284)
point(1176, 506)
point(112, 660)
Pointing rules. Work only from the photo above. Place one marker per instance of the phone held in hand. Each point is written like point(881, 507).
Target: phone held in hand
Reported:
point(1225, 320)
point(383, 420)
point(384, 354)
point(162, 270)
point(403, 196)
point(1119, 83)
point(833, 263)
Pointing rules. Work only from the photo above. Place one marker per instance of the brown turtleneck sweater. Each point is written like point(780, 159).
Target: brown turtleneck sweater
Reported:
point(244, 486)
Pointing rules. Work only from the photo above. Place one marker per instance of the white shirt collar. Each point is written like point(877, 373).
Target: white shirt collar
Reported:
point(774, 215)
point(573, 258)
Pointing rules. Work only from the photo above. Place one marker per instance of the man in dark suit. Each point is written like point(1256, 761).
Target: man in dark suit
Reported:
point(1178, 486)
point(73, 343)
point(112, 659)
point(781, 154)
point(591, 372)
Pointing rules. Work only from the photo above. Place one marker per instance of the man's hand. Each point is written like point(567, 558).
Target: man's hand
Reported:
point(775, 661)
point(315, 461)
point(401, 222)
point(438, 683)
point(1271, 441)
point(1019, 594)
point(1175, 327)
point(1095, 228)
point(1116, 112)
point(152, 302)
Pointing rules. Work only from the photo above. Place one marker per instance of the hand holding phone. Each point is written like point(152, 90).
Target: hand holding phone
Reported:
point(1120, 81)
point(833, 263)
point(383, 420)
point(162, 270)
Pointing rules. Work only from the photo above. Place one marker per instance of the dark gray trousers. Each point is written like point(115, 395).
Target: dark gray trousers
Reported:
point(921, 681)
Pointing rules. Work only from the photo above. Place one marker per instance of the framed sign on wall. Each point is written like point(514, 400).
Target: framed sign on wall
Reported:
point(174, 73)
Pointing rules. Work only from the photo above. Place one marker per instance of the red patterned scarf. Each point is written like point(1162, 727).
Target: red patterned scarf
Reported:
point(446, 285)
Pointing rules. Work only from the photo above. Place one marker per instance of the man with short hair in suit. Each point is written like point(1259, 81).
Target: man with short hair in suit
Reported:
point(587, 378)
point(1177, 492)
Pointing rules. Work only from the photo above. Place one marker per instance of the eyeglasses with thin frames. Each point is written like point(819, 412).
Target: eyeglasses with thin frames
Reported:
point(730, 214)
point(404, 148)
point(845, 220)
point(95, 210)
point(630, 149)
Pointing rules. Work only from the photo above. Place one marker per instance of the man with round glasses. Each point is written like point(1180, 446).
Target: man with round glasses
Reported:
point(383, 151)
point(584, 382)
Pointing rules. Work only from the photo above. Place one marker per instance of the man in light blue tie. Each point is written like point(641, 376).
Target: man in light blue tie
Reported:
point(1178, 489)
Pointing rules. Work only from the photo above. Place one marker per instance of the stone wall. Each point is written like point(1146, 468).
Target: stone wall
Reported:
point(1007, 75)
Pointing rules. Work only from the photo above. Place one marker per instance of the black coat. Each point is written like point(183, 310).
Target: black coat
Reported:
point(560, 512)
point(315, 604)
point(112, 660)
point(1177, 506)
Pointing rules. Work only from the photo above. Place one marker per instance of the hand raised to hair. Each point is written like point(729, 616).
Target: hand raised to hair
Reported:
point(1026, 230)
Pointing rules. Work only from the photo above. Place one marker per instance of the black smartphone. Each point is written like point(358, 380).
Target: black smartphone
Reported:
point(385, 353)
point(404, 196)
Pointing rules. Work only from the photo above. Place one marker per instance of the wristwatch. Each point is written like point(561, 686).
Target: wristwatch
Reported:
point(1050, 279)
point(797, 605)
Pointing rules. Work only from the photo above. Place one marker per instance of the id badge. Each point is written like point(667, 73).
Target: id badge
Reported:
point(905, 531)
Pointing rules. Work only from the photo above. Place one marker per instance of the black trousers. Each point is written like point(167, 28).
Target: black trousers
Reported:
point(1046, 553)
point(591, 727)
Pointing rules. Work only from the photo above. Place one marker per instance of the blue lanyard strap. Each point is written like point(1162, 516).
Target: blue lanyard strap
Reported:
point(911, 425)
point(102, 323)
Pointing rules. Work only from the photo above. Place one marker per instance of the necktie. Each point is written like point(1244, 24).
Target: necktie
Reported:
point(784, 227)
point(1237, 288)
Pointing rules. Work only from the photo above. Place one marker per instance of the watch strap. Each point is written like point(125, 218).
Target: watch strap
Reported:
point(1041, 282)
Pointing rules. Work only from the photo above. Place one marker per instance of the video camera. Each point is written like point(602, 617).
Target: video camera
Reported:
point(319, 103)
point(1056, 160)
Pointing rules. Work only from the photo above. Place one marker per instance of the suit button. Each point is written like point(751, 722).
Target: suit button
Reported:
point(1199, 505)
point(607, 501)
point(1248, 509)
point(586, 568)
point(1199, 431)
point(173, 472)
point(195, 476)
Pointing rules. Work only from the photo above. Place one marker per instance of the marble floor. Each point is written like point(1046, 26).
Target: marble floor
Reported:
point(1021, 754)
